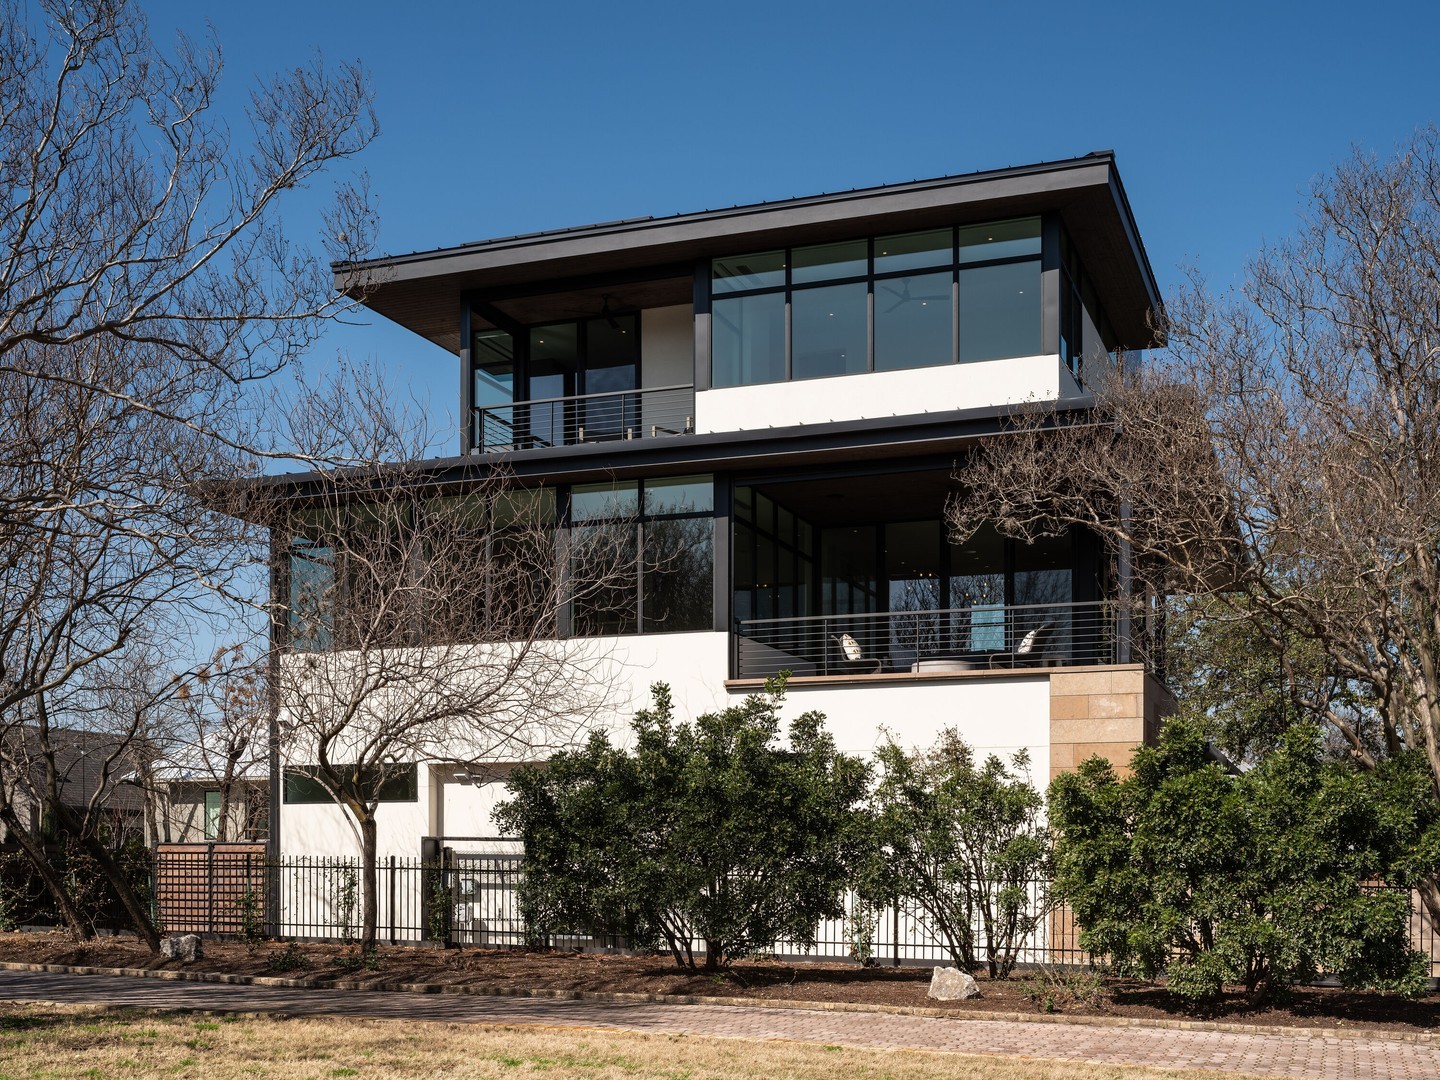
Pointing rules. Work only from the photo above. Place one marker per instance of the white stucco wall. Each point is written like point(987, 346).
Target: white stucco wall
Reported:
point(869, 395)
point(995, 715)
point(313, 829)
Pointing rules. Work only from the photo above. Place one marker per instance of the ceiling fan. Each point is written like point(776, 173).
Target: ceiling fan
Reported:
point(903, 296)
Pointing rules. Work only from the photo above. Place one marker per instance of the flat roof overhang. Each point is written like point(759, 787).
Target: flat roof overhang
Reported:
point(424, 291)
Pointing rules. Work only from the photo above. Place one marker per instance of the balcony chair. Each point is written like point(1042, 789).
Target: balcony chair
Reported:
point(1030, 651)
point(853, 660)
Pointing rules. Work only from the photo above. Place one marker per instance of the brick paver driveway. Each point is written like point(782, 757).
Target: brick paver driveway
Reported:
point(1277, 1055)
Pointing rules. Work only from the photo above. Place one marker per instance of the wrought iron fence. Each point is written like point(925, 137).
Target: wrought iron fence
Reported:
point(467, 893)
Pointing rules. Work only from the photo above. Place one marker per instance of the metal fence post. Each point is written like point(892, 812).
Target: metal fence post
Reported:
point(895, 933)
point(210, 888)
point(391, 893)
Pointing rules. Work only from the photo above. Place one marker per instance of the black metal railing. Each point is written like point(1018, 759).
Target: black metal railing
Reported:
point(978, 637)
point(648, 413)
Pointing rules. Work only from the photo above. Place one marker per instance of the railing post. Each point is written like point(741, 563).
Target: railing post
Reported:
point(1126, 584)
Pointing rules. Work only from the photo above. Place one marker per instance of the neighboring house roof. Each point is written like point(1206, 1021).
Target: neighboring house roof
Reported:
point(80, 757)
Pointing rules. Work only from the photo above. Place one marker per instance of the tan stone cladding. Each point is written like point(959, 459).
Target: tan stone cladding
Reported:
point(1105, 711)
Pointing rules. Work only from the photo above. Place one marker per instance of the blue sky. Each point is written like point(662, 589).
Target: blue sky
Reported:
point(504, 118)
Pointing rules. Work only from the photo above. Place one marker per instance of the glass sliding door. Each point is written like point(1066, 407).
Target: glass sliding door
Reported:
point(554, 360)
point(611, 365)
point(492, 358)
point(977, 593)
point(914, 577)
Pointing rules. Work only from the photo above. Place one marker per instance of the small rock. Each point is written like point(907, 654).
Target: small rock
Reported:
point(184, 947)
point(952, 984)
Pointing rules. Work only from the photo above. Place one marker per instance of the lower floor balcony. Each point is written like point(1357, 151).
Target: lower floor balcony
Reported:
point(948, 640)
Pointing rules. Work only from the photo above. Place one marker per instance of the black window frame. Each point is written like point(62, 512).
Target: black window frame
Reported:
point(870, 279)
point(300, 785)
point(639, 520)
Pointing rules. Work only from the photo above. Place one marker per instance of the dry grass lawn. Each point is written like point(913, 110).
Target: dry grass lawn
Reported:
point(65, 1041)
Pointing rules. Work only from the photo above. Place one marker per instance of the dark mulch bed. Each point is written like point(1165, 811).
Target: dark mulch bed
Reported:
point(837, 982)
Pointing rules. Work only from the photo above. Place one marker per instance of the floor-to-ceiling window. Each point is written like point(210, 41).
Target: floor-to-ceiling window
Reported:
point(882, 303)
point(642, 556)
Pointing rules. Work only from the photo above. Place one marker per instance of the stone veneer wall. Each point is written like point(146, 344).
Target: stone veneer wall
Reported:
point(1106, 711)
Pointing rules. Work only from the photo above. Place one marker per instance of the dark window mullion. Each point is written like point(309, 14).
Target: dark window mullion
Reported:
point(870, 304)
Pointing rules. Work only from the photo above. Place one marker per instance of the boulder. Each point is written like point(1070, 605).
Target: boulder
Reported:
point(182, 947)
point(952, 984)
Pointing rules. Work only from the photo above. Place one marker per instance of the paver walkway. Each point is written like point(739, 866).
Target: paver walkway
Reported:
point(1276, 1055)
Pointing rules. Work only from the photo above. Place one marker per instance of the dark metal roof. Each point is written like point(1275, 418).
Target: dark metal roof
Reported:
point(422, 291)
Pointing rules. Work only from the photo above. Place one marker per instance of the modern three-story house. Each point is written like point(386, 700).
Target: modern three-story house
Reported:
point(793, 388)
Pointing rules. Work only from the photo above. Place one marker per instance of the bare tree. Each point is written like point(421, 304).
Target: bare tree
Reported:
point(425, 625)
point(145, 283)
point(223, 736)
point(1281, 454)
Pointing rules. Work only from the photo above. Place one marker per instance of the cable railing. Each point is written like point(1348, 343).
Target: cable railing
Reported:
point(976, 637)
point(648, 413)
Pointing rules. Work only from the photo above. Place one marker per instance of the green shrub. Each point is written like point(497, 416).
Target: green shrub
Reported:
point(966, 844)
point(1055, 989)
point(1185, 870)
point(291, 958)
point(709, 831)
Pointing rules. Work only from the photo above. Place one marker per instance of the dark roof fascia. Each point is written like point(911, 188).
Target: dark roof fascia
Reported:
point(1137, 246)
point(1090, 170)
point(752, 451)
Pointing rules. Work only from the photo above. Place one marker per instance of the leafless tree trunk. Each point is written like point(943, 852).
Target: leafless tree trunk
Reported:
point(145, 284)
point(1282, 452)
point(424, 624)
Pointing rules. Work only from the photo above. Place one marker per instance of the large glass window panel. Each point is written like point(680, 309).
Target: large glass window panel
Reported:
point(913, 324)
point(1043, 571)
point(1044, 589)
point(381, 608)
point(912, 572)
point(829, 331)
point(914, 251)
point(611, 365)
point(679, 495)
point(748, 340)
point(827, 262)
point(1000, 240)
point(312, 595)
point(1000, 311)
point(737, 273)
point(603, 566)
point(520, 573)
point(977, 592)
point(847, 570)
point(679, 574)
point(456, 532)
point(492, 354)
point(597, 502)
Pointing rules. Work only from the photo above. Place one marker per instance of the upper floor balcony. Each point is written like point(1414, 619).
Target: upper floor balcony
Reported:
point(617, 415)
point(949, 295)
